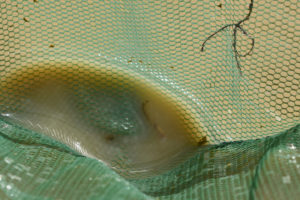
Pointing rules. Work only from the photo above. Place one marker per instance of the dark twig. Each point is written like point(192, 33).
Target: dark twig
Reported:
point(252, 43)
point(212, 35)
point(237, 26)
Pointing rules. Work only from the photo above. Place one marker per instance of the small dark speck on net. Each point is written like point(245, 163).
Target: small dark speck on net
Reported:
point(109, 138)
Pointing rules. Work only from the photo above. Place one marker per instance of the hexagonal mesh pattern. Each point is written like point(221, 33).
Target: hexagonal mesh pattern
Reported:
point(229, 69)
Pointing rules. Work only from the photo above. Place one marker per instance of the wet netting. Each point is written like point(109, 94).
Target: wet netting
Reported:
point(149, 99)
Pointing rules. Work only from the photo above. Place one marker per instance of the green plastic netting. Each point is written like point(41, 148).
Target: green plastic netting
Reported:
point(149, 99)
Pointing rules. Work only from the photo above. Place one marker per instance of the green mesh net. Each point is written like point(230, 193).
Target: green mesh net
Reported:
point(149, 99)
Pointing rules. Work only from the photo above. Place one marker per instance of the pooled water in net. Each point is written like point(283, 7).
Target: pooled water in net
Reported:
point(122, 122)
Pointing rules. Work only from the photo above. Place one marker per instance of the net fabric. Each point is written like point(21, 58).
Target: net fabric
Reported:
point(228, 98)
point(36, 167)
